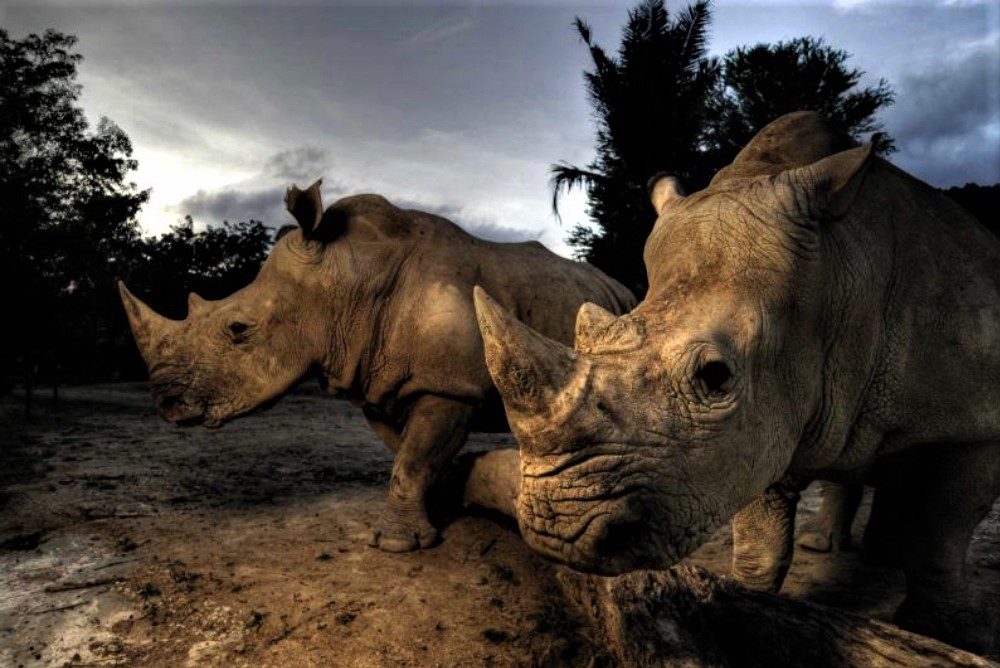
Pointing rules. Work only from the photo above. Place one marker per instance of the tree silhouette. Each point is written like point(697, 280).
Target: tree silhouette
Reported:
point(67, 213)
point(983, 202)
point(68, 227)
point(662, 105)
point(762, 82)
point(651, 103)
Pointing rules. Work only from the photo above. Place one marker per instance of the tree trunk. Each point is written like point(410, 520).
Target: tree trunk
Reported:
point(688, 617)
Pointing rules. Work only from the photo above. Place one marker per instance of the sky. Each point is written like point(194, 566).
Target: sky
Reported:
point(460, 108)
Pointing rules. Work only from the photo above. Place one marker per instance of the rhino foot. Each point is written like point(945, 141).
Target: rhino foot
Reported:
point(394, 535)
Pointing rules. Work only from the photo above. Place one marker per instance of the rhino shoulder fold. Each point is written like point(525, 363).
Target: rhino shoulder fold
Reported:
point(369, 214)
point(793, 140)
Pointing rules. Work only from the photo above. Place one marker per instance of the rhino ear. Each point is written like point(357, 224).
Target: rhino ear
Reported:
point(306, 206)
point(664, 191)
point(833, 183)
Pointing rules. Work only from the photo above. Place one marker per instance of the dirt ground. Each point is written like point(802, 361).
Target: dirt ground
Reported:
point(125, 541)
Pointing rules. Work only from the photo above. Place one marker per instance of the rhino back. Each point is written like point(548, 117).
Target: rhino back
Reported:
point(428, 339)
point(542, 288)
point(545, 290)
point(940, 369)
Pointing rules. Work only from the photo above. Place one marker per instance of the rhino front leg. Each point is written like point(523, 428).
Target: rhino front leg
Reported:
point(762, 537)
point(436, 428)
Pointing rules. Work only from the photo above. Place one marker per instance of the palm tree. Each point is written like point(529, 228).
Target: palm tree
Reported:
point(651, 103)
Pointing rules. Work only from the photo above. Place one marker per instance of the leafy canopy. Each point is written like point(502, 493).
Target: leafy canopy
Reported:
point(213, 262)
point(67, 212)
point(762, 82)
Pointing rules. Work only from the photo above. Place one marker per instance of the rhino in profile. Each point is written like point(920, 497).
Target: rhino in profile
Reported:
point(830, 318)
point(377, 301)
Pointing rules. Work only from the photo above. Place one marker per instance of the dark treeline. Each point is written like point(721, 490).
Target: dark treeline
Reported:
point(983, 202)
point(68, 229)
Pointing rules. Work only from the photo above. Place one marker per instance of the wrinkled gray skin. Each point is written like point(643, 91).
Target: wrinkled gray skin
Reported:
point(804, 322)
point(378, 301)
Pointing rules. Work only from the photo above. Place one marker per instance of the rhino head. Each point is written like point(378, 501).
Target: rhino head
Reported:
point(658, 425)
point(230, 356)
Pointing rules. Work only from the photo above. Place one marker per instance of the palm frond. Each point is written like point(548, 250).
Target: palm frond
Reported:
point(583, 30)
point(693, 23)
point(564, 177)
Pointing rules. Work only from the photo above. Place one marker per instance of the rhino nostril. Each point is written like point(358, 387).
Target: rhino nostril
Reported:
point(622, 538)
point(168, 401)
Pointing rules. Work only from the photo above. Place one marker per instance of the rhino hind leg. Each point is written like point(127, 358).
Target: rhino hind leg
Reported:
point(948, 497)
point(436, 428)
point(830, 529)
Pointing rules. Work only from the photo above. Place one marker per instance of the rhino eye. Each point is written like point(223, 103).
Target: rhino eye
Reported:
point(715, 377)
point(238, 330)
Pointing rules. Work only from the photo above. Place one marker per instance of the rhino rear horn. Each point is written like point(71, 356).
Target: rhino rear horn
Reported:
point(530, 370)
point(599, 330)
point(592, 322)
point(306, 206)
point(147, 325)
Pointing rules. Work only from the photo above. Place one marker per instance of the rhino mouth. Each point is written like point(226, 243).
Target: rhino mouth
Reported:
point(179, 409)
point(610, 537)
point(181, 406)
point(597, 513)
point(176, 402)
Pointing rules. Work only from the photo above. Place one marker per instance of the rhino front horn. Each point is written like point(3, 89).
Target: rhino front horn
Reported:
point(531, 371)
point(147, 325)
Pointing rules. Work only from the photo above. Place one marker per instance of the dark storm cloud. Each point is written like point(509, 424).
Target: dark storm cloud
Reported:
point(947, 119)
point(259, 200)
point(948, 102)
point(267, 204)
point(493, 231)
point(477, 225)
point(234, 205)
point(458, 105)
point(297, 165)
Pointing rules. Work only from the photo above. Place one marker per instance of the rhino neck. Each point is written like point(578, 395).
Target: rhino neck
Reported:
point(360, 300)
point(859, 327)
